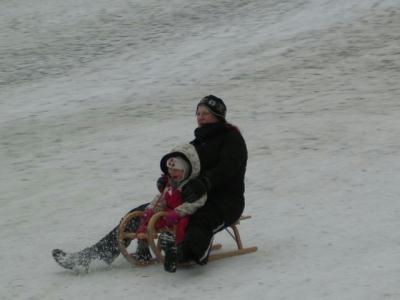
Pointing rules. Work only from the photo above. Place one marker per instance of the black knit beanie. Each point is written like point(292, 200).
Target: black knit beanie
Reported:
point(216, 106)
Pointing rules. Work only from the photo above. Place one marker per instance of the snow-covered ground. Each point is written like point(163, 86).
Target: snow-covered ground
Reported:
point(93, 93)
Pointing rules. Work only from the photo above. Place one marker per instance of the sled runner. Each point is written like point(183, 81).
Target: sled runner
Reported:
point(152, 237)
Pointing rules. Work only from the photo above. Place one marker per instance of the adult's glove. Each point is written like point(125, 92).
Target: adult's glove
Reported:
point(171, 218)
point(195, 188)
point(162, 182)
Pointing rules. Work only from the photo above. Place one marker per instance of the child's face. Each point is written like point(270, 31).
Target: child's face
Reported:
point(176, 175)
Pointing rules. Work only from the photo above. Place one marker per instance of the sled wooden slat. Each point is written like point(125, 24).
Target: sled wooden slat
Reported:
point(232, 253)
point(243, 218)
point(236, 237)
point(129, 235)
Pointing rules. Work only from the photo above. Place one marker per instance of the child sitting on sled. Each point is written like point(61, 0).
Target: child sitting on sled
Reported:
point(169, 199)
point(177, 172)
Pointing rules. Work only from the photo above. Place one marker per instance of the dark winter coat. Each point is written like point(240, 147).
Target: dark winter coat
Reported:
point(223, 157)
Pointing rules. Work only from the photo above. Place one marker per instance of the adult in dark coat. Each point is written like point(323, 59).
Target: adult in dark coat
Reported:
point(223, 157)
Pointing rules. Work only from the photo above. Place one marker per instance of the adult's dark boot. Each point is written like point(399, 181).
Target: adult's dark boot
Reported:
point(77, 261)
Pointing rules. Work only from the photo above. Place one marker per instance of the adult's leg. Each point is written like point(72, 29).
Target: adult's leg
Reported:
point(105, 249)
point(200, 231)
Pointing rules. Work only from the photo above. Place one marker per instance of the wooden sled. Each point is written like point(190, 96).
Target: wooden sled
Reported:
point(152, 238)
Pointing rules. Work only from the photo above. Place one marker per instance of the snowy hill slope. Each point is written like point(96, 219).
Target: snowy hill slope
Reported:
point(92, 95)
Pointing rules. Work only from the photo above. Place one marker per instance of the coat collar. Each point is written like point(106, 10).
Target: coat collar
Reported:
point(209, 130)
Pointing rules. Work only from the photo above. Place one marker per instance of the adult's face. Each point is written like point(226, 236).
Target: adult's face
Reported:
point(204, 116)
